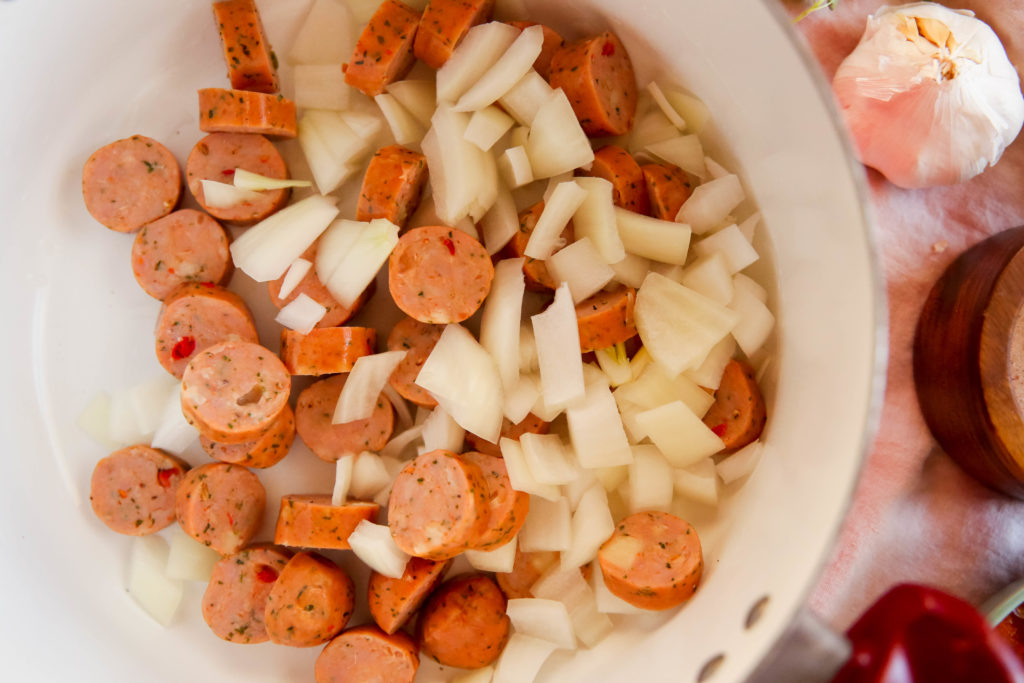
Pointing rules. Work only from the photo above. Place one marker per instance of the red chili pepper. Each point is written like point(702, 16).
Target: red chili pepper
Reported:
point(917, 634)
point(228, 171)
point(184, 348)
point(209, 284)
point(266, 574)
point(231, 520)
point(451, 245)
point(608, 50)
point(719, 429)
point(164, 476)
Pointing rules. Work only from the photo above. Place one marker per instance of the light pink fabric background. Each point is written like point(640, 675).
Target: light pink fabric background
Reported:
point(916, 516)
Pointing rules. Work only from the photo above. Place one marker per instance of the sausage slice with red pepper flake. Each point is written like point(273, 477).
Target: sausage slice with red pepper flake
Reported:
point(738, 414)
point(132, 490)
point(221, 506)
point(186, 246)
point(310, 602)
point(235, 600)
point(311, 521)
point(597, 77)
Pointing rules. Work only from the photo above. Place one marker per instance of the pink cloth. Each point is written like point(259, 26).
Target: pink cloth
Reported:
point(916, 516)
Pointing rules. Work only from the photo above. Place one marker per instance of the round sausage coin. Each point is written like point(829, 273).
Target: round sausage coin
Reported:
point(235, 600)
point(132, 490)
point(221, 506)
point(186, 246)
point(310, 602)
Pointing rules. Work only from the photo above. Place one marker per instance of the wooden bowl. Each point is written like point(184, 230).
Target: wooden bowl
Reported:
point(969, 361)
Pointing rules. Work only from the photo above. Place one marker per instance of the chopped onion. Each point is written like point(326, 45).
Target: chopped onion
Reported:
point(187, 558)
point(710, 276)
point(222, 195)
point(650, 480)
point(554, 182)
point(709, 373)
point(739, 464)
point(678, 326)
point(608, 602)
point(614, 362)
point(715, 169)
point(521, 398)
point(326, 35)
point(593, 374)
point(514, 165)
point(746, 283)
point(500, 224)
point(672, 272)
point(698, 482)
point(526, 98)
point(596, 430)
point(518, 137)
point(631, 270)
point(684, 151)
point(596, 219)
point(679, 434)
point(362, 248)
point(693, 111)
point(418, 97)
point(400, 406)
point(528, 361)
point(520, 476)
point(94, 420)
point(479, 50)
point(301, 314)
point(454, 164)
point(369, 476)
point(558, 350)
point(570, 588)
point(558, 210)
point(575, 489)
point(544, 619)
point(581, 267)
point(398, 443)
point(501, 559)
point(372, 543)
point(667, 109)
point(654, 387)
point(441, 431)
point(557, 143)
point(521, 659)
point(651, 128)
point(321, 86)
point(548, 459)
point(612, 478)
point(749, 226)
point(658, 240)
point(486, 127)
point(710, 203)
point(148, 584)
point(483, 675)
point(296, 271)
point(365, 124)
point(502, 313)
point(506, 72)
point(247, 180)
point(548, 525)
point(342, 478)
point(174, 434)
point(328, 168)
point(363, 10)
point(755, 324)
point(732, 245)
point(405, 127)
point(592, 525)
point(361, 393)
point(462, 377)
point(265, 250)
point(137, 412)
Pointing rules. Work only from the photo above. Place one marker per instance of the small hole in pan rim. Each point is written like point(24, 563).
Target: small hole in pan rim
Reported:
point(710, 667)
point(756, 612)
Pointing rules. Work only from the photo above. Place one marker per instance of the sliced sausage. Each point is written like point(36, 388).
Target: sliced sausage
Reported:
point(439, 274)
point(738, 414)
point(418, 339)
point(311, 601)
point(241, 111)
point(365, 654)
point(536, 272)
point(552, 42)
point(221, 506)
point(185, 246)
point(508, 507)
point(444, 25)
point(326, 350)
point(310, 521)
point(392, 185)
point(196, 316)
point(528, 567)
point(439, 506)
point(653, 560)
point(236, 597)
point(597, 77)
point(393, 601)
point(234, 391)
point(667, 189)
point(529, 424)
point(606, 318)
point(311, 286)
point(315, 409)
point(629, 188)
point(266, 451)
point(216, 157)
point(131, 182)
point(252, 64)
point(383, 53)
point(132, 489)
point(464, 624)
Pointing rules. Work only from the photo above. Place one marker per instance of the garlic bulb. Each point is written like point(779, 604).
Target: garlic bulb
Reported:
point(929, 95)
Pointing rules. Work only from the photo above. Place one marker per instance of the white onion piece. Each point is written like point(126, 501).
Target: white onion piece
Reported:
point(343, 467)
point(514, 165)
point(651, 128)
point(710, 203)
point(548, 459)
point(650, 480)
point(739, 464)
point(366, 381)
point(398, 443)
point(405, 127)
point(479, 50)
point(369, 476)
point(694, 112)
point(684, 151)
point(548, 525)
point(628, 411)
point(596, 219)
point(672, 272)
point(592, 525)
point(148, 584)
point(554, 182)
point(137, 412)
point(462, 377)
point(528, 361)
point(502, 313)
point(546, 237)
point(296, 271)
point(679, 434)
point(301, 314)
point(501, 559)
point(94, 420)
point(519, 136)
point(219, 195)
point(749, 225)
point(709, 373)
point(710, 276)
point(544, 619)
point(363, 10)
point(526, 98)
point(366, 124)
point(593, 374)
point(570, 588)
point(654, 387)
point(557, 143)
point(631, 270)
point(326, 36)
point(614, 362)
point(247, 180)
point(639, 362)
point(400, 406)
point(418, 97)
point(558, 350)
point(265, 250)
point(715, 169)
point(348, 270)
point(663, 104)
point(174, 434)
point(595, 428)
point(486, 127)
point(321, 86)
point(521, 397)
point(611, 478)
point(456, 166)
point(732, 245)
point(329, 169)
point(483, 675)
point(522, 659)
point(344, 133)
point(652, 238)
point(506, 72)
point(440, 431)
point(581, 267)
point(500, 224)
point(372, 543)
point(608, 602)
point(745, 283)
point(123, 427)
point(520, 475)
point(677, 325)
point(187, 558)
point(575, 489)
point(393, 466)
point(697, 482)
point(756, 321)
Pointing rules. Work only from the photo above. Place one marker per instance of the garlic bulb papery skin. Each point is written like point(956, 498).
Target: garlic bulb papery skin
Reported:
point(929, 95)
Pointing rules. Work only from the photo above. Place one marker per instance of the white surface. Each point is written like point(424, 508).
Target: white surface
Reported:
point(83, 74)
